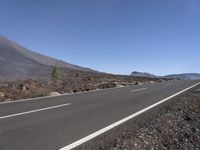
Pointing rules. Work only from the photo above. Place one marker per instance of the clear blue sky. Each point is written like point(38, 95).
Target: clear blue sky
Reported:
point(115, 36)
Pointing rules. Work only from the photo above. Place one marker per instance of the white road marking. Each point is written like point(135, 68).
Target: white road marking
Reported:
point(138, 90)
point(33, 111)
point(95, 134)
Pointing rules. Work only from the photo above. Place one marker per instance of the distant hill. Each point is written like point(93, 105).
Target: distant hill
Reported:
point(185, 76)
point(18, 62)
point(143, 74)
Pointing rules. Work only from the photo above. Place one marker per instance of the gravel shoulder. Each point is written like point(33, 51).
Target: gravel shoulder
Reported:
point(173, 125)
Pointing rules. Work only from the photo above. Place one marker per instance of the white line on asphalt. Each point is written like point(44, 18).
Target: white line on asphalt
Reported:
point(138, 90)
point(95, 134)
point(33, 111)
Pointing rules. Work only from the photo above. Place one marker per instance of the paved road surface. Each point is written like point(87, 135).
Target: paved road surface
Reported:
point(55, 122)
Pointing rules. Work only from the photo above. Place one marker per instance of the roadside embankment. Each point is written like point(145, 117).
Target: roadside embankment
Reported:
point(72, 83)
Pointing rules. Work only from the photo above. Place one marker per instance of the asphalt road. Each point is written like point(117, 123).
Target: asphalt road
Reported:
point(55, 122)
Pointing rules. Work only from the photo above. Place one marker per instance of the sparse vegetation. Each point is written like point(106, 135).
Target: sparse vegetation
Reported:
point(56, 74)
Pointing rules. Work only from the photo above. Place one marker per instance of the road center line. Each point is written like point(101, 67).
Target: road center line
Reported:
point(101, 131)
point(33, 111)
point(138, 90)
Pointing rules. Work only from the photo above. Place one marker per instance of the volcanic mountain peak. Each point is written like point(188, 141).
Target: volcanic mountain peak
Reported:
point(40, 58)
point(142, 74)
point(17, 61)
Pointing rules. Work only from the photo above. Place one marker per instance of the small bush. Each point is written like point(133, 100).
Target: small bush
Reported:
point(56, 74)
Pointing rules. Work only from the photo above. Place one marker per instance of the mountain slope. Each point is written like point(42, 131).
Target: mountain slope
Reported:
point(143, 74)
point(17, 62)
point(42, 59)
point(185, 76)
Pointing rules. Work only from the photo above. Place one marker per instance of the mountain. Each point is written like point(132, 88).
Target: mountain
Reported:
point(185, 76)
point(18, 62)
point(143, 74)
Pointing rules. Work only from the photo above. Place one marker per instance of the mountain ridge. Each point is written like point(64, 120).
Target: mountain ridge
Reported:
point(182, 76)
point(18, 62)
point(41, 58)
point(143, 74)
point(185, 76)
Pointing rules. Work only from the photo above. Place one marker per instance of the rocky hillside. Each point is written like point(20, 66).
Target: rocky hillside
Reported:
point(17, 62)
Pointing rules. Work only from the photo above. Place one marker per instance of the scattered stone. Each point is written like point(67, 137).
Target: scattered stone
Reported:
point(119, 86)
point(197, 90)
point(160, 80)
point(139, 83)
point(106, 85)
point(8, 100)
point(23, 87)
point(54, 94)
point(2, 94)
point(75, 90)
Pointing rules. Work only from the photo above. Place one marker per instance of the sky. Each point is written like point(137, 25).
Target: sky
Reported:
point(114, 36)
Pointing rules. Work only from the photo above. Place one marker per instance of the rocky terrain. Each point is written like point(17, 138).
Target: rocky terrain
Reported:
point(71, 82)
point(173, 126)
